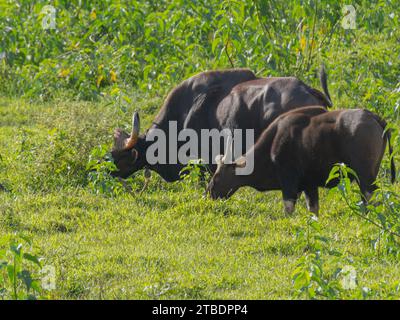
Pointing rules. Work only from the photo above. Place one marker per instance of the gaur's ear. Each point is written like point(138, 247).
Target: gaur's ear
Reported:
point(119, 139)
point(219, 159)
point(241, 162)
point(135, 154)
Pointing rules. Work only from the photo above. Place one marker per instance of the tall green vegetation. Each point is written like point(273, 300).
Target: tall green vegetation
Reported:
point(101, 47)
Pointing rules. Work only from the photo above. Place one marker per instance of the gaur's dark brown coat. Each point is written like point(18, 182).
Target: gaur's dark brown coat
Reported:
point(297, 151)
point(228, 99)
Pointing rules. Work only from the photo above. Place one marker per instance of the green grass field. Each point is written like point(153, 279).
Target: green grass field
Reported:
point(167, 242)
point(65, 90)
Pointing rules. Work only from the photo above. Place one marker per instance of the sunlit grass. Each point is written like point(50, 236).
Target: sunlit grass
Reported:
point(168, 242)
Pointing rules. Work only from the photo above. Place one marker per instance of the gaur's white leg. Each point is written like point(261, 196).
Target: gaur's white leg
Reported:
point(289, 185)
point(366, 199)
point(367, 187)
point(312, 200)
point(367, 195)
point(289, 206)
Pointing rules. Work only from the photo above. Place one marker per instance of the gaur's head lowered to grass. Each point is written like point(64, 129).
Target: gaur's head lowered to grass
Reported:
point(129, 150)
point(225, 182)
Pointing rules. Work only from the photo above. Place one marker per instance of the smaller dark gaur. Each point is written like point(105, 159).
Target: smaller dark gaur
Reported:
point(297, 151)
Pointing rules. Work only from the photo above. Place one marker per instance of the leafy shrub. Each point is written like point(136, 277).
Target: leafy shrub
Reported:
point(99, 166)
point(19, 271)
point(313, 277)
point(101, 46)
point(195, 174)
point(383, 210)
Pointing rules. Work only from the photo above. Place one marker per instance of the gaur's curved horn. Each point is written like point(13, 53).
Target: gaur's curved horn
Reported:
point(131, 141)
point(228, 151)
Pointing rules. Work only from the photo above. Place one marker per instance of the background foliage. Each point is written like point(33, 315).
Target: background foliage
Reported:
point(101, 47)
point(64, 91)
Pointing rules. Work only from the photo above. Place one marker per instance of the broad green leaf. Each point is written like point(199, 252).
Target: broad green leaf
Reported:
point(32, 258)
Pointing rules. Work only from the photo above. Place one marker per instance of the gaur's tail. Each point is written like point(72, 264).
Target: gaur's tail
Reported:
point(324, 85)
point(392, 166)
point(388, 136)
